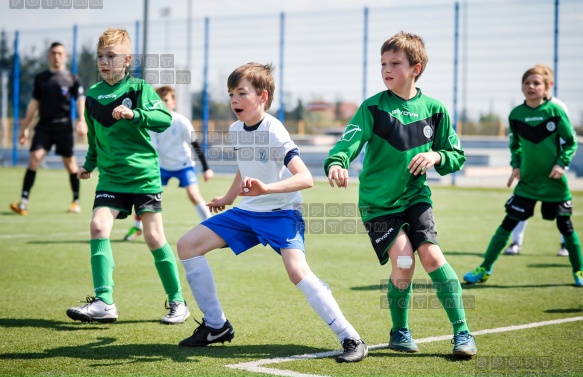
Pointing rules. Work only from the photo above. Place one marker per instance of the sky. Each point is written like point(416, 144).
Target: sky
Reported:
point(324, 54)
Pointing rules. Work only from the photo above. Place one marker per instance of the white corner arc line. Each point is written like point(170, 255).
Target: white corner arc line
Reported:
point(256, 366)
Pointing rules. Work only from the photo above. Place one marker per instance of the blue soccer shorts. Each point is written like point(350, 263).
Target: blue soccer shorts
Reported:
point(186, 176)
point(241, 229)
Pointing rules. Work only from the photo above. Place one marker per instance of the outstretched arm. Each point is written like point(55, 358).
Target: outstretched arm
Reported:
point(301, 179)
point(219, 203)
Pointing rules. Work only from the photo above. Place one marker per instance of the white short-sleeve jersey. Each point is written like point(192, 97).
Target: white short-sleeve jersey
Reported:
point(174, 145)
point(260, 154)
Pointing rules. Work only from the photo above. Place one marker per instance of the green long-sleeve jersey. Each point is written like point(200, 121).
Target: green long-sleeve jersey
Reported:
point(395, 130)
point(535, 147)
point(121, 149)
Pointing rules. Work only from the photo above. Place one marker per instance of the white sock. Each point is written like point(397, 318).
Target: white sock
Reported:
point(518, 233)
point(203, 211)
point(321, 300)
point(137, 222)
point(202, 284)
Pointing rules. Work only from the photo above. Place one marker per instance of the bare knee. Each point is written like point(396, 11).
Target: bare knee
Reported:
point(431, 257)
point(154, 239)
point(188, 247)
point(100, 228)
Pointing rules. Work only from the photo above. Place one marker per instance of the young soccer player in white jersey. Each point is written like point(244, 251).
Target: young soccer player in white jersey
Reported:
point(518, 232)
point(174, 148)
point(269, 183)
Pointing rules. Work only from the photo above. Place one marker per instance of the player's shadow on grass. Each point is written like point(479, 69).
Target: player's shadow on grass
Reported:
point(387, 353)
point(551, 265)
point(494, 286)
point(45, 242)
point(458, 253)
point(372, 287)
point(105, 352)
point(62, 325)
point(564, 311)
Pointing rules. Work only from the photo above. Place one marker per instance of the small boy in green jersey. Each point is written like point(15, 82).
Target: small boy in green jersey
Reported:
point(539, 158)
point(406, 134)
point(120, 110)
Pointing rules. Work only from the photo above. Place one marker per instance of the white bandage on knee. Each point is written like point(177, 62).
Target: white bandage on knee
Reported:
point(404, 261)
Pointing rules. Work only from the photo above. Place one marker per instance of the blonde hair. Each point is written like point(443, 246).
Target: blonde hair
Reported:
point(164, 90)
point(114, 36)
point(413, 47)
point(537, 71)
point(258, 75)
point(548, 72)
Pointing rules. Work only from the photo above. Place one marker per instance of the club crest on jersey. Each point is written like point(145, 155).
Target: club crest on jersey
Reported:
point(64, 90)
point(350, 131)
point(551, 126)
point(263, 155)
point(127, 103)
point(428, 132)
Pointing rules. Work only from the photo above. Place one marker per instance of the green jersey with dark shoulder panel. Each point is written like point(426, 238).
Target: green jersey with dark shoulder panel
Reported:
point(394, 131)
point(121, 149)
point(535, 147)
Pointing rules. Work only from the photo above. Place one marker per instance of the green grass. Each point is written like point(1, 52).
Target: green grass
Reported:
point(45, 269)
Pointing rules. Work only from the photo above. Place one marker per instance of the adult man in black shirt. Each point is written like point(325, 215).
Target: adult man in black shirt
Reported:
point(51, 99)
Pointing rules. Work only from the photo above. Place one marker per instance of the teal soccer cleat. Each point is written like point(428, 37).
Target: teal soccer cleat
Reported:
point(402, 340)
point(464, 345)
point(578, 278)
point(479, 275)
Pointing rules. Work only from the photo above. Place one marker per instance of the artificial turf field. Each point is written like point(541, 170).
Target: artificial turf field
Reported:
point(45, 269)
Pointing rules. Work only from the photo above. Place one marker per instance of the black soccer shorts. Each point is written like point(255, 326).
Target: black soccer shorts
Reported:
point(123, 202)
point(417, 222)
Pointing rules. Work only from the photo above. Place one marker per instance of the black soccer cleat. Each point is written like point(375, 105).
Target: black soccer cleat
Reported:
point(354, 350)
point(204, 335)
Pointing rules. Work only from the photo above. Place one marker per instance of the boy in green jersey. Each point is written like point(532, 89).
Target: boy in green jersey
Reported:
point(406, 133)
point(120, 110)
point(539, 158)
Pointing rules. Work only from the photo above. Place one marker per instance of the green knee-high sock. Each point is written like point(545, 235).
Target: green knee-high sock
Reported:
point(497, 243)
point(399, 305)
point(102, 268)
point(168, 272)
point(574, 247)
point(449, 292)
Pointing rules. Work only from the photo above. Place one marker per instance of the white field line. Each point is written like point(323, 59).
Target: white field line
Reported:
point(256, 366)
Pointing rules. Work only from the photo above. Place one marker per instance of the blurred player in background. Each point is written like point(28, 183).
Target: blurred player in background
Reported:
point(174, 148)
point(536, 128)
point(51, 100)
point(518, 232)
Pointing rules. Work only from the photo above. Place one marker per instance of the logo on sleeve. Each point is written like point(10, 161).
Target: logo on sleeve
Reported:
point(350, 131)
point(154, 105)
